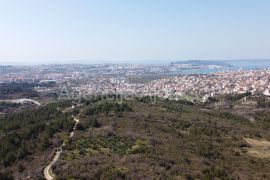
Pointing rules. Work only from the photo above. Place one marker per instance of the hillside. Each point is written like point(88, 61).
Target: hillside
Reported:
point(139, 139)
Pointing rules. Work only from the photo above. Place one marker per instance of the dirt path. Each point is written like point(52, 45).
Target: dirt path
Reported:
point(48, 170)
point(22, 101)
point(48, 174)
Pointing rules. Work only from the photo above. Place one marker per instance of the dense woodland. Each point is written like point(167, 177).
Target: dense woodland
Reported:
point(22, 89)
point(26, 134)
point(17, 90)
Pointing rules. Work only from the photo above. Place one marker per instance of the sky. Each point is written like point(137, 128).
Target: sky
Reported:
point(135, 31)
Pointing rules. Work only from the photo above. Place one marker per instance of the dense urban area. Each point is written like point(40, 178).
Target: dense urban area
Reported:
point(167, 81)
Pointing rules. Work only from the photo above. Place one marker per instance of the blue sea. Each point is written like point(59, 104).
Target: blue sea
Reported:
point(249, 64)
point(236, 65)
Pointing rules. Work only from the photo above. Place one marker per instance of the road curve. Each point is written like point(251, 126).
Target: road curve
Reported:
point(48, 170)
point(48, 174)
point(24, 100)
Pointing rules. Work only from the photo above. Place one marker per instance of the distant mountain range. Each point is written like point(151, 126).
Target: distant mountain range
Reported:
point(202, 63)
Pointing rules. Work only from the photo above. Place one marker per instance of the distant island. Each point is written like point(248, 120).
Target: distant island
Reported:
point(197, 63)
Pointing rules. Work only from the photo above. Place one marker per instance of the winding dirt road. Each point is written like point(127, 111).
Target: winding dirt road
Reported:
point(48, 174)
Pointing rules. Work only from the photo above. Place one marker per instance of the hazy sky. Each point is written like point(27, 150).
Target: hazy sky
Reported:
point(133, 30)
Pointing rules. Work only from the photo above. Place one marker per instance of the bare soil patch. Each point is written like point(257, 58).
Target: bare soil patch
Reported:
point(258, 147)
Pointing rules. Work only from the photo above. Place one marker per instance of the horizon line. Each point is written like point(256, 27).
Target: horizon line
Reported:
point(94, 62)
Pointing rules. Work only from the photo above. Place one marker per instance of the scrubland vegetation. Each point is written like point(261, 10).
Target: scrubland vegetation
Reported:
point(163, 140)
point(139, 139)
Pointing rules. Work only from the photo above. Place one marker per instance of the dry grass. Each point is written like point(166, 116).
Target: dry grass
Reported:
point(258, 148)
